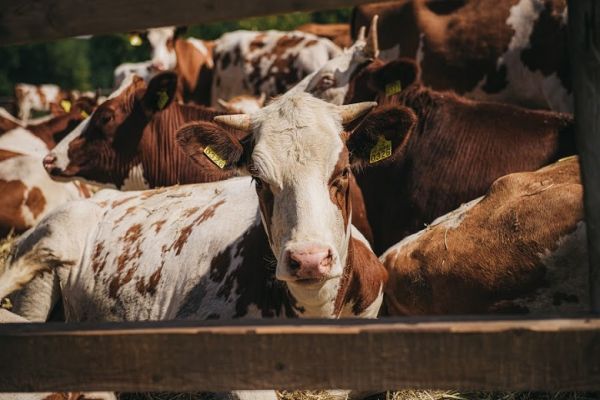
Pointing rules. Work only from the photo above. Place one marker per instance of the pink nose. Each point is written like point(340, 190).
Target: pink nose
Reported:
point(313, 262)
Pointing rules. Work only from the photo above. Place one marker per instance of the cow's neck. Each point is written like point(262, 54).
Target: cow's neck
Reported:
point(357, 293)
point(160, 160)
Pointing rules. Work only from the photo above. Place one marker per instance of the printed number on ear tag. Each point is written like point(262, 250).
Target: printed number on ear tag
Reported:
point(163, 98)
point(66, 105)
point(381, 150)
point(214, 157)
point(393, 88)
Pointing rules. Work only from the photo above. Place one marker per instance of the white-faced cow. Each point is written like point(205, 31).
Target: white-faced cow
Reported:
point(521, 248)
point(26, 191)
point(512, 51)
point(143, 69)
point(190, 58)
point(200, 251)
point(269, 62)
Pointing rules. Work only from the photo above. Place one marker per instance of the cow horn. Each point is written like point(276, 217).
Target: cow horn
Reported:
point(262, 98)
point(372, 47)
point(236, 121)
point(361, 33)
point(352, 111)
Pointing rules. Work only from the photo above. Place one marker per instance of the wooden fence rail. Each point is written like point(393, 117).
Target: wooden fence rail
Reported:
point(23, 21)
point(488, 354)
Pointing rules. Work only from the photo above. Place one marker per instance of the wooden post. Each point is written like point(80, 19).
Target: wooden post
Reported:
point(23, 21)
point(584, 45)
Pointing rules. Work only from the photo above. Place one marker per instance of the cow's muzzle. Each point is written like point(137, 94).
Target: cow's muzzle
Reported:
point(50, 166)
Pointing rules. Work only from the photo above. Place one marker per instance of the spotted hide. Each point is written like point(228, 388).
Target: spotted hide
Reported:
point(191, 59)
point(40, 97)
point(200, 251)
point(269, 62)
point(520, 248)
point(512, 51)
point(26, 191)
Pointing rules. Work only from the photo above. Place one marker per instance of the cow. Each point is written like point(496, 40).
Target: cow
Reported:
point(190, 58)
point(143, 69)
point(243, 104)
point(512, 51)
point(268, 62)
point(521, 248)
point(129, 143)
point(339, 34)
point(200, 251)
point(27, 193)
point(40, 97)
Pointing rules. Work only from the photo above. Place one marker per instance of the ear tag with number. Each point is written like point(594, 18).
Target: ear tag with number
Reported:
point(381, 150)
point(214, 157)
point(66, 105)
point(393, 88)
point(163, 98)
point(84, 114)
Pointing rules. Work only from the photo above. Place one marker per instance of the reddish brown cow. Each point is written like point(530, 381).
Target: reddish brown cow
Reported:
point(337, 33)
point(520, 248)
point(511, 51)
point(452, 148)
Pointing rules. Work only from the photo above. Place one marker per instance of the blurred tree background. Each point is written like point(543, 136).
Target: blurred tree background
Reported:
point(87, 64)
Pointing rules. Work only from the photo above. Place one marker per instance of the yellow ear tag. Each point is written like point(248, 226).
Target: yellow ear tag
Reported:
point(66, 105)
point(214, 157)
point(393, 88)
point(163, 98)
point(135, 40)
point(84, 114)
point(381, 150)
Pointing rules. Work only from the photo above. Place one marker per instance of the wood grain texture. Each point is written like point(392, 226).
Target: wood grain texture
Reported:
point(23, 21)
point(552, 355)
point(584, 48)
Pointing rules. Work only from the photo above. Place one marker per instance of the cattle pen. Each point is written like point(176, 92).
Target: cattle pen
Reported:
point(555, 353)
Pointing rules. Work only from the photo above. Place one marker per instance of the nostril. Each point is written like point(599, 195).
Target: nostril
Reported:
point(293, 263)
point(49, 160)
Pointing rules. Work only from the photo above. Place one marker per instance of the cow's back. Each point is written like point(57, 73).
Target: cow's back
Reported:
point(269, 62)
point(520, 248)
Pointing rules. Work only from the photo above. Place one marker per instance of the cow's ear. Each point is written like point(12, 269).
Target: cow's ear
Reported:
point(208, 143)
point(56, 109)
point(381, 135)
point(160, 92)
point(392, 77)
point(85, 106)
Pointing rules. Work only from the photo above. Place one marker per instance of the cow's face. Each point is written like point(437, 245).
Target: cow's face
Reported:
point(162, 41)
point(332, 80)
point(105, 144)
point(297, 154)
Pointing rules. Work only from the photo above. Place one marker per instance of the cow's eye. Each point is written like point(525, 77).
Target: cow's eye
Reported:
point(106, 118)
point(346, 172)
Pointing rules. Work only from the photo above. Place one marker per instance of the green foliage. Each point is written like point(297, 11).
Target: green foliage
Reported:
point(89, 64)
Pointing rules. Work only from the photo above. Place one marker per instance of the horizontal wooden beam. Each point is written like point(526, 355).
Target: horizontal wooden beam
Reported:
point(23, 21)
point(551, 355)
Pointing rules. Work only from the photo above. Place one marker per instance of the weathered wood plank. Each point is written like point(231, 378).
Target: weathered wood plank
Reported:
point(364, 355)
point(23, 21)
point(584, 47)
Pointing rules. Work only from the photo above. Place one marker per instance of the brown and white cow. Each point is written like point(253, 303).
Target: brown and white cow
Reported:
point(521, 248)
point(452, 148)
point(268, 62)
point(200, 251)
point(129, 142)
point(143, 69)
point(8, 121)
point(26, 191)
point(337, 33)
point(190, 58)
point(512, 51)
point(41, 97)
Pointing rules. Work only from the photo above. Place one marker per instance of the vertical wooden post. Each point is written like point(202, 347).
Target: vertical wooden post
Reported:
point(584, 50)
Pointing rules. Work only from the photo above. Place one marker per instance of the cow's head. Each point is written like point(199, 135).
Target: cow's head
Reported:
point(331, 81)
point(104, 147)
point(162, 40)
point(300, 157)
